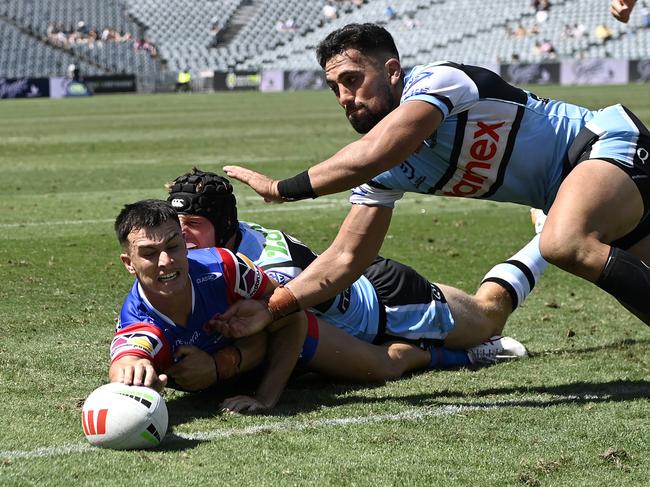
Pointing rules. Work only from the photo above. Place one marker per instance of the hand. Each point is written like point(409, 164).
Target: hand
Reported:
point(266, 187)
point(139, 374)
point(621, 9)
point(244, 318)
point(238, 404)
point(194, 370)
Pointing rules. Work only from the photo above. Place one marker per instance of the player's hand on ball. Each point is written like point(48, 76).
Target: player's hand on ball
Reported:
point(244, 318)
point(266, 187)
point(239, 404)
point(141, 374)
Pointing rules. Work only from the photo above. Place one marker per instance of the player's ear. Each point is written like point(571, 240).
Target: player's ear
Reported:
point(126, 260)
point(394, 70)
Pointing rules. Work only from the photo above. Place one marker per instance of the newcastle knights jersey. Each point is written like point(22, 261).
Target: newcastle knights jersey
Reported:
point(218, 278)
point(496, 141)
point(355, 310)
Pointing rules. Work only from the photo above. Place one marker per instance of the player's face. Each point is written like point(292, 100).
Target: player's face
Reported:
point(158, 258)
point(362, 87)
point(198, 231)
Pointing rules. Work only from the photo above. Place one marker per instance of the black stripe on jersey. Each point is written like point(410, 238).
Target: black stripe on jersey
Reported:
point(491, 85)
point(275, 265)
point(461, 122)
point(375, 184)
point(444, 99)
point(301, 255)
point(507, 153)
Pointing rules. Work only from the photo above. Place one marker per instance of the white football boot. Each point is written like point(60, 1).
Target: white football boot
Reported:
point(538, 217)
point(496, 349)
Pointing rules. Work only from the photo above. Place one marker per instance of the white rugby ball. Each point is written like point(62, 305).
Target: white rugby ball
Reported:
point(124, 417)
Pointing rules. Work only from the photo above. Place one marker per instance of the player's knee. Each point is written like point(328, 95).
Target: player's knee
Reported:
point(567, 250)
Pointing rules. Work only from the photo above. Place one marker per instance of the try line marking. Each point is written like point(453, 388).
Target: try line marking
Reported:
point(290, 426)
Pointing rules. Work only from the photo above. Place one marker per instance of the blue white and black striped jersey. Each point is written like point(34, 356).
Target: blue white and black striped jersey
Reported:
point(496, 141)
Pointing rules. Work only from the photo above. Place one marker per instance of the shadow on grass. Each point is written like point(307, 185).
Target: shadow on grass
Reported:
point(311, 391)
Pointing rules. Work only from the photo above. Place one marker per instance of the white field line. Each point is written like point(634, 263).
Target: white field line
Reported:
point(290, 426)
point(267, 209)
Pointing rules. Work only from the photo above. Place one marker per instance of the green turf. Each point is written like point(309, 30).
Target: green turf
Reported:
point(575, 413)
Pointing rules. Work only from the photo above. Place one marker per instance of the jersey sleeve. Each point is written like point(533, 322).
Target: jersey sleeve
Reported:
point(371, 194)
point(142, 340)
point(244, 279)
point(445, 86)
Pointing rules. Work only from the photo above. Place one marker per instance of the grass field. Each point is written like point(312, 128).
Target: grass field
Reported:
point(575, 413)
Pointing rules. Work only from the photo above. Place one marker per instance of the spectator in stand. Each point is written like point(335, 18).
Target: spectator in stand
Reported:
point(603, 33)
point(330, 11)
point(390, 13)
point(645, 15)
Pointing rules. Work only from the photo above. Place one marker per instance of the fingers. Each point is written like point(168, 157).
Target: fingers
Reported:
point(238, 404)
point(239, 173)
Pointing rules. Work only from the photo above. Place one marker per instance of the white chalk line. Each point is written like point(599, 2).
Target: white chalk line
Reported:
point(268, 209)
point(298, 426)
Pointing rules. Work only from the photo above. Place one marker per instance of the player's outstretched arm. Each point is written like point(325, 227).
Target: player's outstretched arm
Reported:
point(132, 370)
point(284, 349)
point(356, 245)
point(622, 9)
point(392, 140)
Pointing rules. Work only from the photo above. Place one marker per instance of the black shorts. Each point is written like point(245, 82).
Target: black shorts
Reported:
point(621, 130)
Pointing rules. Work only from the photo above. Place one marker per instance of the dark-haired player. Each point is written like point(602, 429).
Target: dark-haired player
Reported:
point(459, 130)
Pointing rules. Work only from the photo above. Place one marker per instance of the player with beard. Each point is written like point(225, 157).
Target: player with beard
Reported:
point(458, 130)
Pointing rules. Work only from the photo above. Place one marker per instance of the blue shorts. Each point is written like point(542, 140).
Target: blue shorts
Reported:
point(311, 340)
point(617, 136)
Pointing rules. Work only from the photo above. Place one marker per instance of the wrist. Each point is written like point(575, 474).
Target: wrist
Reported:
point(296, 188)
point(282, 303)
point(227, 362)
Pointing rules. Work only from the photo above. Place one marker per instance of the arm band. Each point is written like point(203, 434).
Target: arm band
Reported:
point(282, 303)
point(296, 188)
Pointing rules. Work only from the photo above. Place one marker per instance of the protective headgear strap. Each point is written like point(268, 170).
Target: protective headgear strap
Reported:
point(209, 195)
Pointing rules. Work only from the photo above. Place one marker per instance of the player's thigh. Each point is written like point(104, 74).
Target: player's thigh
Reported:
point(342, 355)
point(472, 325)
point(597, 199)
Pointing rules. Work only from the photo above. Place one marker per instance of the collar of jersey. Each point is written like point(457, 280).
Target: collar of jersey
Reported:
point(165, 318)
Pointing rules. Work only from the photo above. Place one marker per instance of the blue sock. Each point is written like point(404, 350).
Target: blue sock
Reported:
point(443, 358)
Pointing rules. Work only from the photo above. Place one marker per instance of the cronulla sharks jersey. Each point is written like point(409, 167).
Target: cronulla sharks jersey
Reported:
point(282, 257)
point(496, 141)
point(218, 278)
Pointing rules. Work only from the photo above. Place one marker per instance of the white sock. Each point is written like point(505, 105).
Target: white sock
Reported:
point(519, 274)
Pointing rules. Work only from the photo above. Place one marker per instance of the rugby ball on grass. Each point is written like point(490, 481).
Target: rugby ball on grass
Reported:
point(124, 417)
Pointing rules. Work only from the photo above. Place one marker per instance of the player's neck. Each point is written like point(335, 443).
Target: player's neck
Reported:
point(177, 306)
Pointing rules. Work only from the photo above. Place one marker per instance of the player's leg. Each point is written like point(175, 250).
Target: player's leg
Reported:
point(605, 200)
point(338, 354)
point(503, 289)
point(585, 219)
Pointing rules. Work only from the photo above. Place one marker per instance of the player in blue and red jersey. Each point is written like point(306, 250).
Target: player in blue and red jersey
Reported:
point(174, 297)
point(457, 130)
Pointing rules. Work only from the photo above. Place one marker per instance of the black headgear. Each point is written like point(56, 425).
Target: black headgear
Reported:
point(209, 195)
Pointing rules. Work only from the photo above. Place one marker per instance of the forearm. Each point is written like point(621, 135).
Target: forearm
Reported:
point(396, 137)
point(354, 248)
point(285, 346)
